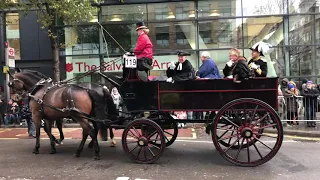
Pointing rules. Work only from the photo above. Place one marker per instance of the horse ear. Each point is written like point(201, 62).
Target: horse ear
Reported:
point(18, 70)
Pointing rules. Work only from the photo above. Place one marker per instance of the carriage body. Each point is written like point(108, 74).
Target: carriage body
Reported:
point(196, 95)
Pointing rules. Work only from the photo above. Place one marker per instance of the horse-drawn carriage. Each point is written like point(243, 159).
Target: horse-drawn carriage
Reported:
point(241, 114)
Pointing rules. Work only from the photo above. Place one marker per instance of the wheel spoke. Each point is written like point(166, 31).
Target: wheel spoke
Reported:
point(221, 139)
point(254, 113)
point(230, 121)
point(263, 143)
point(131, 142)
point(239, 149)
point(137, 131)
point(139, 152)
point(257, 150)
point(152, 140)
point(145, 153)
point(266, 135)
point(232, 144)
point(231, 135)
point(133, 148)
point(248, 153)
point(151, 151)
point(154, 146)
point(168, 133)
point(267, 126)
point(227, 129)
point(132, 134)
point(153, 133)
point(263, 117)
point(166, 138)
point(226, 132)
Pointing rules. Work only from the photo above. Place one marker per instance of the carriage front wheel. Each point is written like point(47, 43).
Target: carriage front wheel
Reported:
point(138, 138)
point(252, 126)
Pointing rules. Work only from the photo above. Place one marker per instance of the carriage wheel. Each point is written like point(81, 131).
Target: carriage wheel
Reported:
point(240, 128)
point(237, 145)
point(170, 135)
point(137, 138)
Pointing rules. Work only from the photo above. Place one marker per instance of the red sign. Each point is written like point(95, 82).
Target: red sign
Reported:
point(11, 52)
point(69, 67)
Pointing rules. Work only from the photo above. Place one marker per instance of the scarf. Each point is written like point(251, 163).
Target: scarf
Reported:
point(179, 67)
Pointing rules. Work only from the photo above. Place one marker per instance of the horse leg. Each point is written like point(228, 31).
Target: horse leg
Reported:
point(48, 126)
point(50, 135)
point(86, 129)
point(59, 126)
point(37, 123)
point(112, 141)
point(94, 136)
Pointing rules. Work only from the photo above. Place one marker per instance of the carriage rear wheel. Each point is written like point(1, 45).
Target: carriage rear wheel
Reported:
point(242, 132)
point(170, 134)
point(137, 138)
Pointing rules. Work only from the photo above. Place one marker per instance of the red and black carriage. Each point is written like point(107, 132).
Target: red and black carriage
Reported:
point(242, 115)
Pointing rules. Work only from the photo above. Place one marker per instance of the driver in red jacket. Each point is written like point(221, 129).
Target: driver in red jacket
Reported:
point(143, 51)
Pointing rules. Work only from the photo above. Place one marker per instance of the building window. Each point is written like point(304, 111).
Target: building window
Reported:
point(181, 32)
point(162, 35)
point(13, 33)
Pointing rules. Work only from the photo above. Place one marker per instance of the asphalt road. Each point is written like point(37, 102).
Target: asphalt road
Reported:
point(185, 159)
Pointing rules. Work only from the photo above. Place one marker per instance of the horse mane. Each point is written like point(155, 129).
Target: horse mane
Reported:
point(36, 73)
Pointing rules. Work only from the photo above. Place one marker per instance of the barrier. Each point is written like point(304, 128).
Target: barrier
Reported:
point(298, 108)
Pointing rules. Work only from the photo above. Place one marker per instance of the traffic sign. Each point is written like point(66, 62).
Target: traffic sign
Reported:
point(5, 69)
point(11, 52)
point(12, 63)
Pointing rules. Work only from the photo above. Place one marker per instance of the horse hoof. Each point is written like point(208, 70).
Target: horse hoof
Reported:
point(76, 155)
point(96, 158)
point(35, 151)
point(90, 145)
point(52, 152)
point(113, 143)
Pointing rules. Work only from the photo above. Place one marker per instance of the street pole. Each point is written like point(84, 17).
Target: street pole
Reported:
point(6, 86)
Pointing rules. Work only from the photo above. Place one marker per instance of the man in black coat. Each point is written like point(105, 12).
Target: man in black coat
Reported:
point(181, 70)
point(257, 64)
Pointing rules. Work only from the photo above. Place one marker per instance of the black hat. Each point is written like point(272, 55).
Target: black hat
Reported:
point(183, 53)
point(261, 47)
point(140, 25)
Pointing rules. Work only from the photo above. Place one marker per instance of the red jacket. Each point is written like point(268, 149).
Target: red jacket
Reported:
point(143, 47)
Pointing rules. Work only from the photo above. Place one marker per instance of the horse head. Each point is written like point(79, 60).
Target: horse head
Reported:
point(24, 81)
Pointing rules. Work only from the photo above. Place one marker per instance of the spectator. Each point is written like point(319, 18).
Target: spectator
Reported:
point(2, 106)
point(11, 113)
point(291, 94)
point(310, 94)
point(26, 114)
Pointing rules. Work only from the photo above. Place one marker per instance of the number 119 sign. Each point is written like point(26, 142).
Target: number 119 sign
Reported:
point(130, 61)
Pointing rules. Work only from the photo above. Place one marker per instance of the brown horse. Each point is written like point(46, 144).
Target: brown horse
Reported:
point(52, 102)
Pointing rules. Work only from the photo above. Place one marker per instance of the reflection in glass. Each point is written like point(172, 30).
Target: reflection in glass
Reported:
point(134, 12)
point(267, 29)
point(219, 8)
point(303, 6)
point(301, 29)
point(13, 33)
point(176, 10)
point(80, 40)
point(172, 36)
point(220, 33)
point(125, 35)
point(300, 60)
point(262, 7)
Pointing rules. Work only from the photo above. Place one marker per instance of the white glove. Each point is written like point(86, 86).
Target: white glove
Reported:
point(172, 65)
point(127, 53)
point(254, 66)
point(170, 80)
point(230, 76)
point(229, 63)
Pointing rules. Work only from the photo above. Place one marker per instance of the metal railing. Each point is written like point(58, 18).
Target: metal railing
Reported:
point(293, 109)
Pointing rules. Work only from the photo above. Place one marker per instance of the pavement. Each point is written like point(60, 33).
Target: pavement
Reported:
point(184, 160)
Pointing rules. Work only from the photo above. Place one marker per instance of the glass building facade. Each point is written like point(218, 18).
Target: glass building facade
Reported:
point(291, 26)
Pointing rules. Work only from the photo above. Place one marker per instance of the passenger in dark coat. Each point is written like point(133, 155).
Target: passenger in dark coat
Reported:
point(182, 70)
point(258, 65)
point(237, 67)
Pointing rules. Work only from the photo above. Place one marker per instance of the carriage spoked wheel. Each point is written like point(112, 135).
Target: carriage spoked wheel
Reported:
point(240, 132)
point(170, 134)
point(231, 128)
point(137, 138)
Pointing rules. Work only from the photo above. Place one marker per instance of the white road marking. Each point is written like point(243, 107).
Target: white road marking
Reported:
point(127, 178)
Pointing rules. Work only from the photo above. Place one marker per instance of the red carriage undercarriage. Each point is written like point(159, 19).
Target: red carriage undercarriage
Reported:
point(241, 115)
